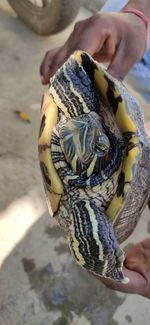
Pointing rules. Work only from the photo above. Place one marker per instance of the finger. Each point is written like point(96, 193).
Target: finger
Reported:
point(140, 252)
point(45, 65)
point(51, 63)
point(135, 284)
point(147, 127)
point(122, 61)
point(106, 52)
point(91, 48)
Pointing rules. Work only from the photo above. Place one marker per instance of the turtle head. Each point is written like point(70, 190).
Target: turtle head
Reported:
point(83, 142)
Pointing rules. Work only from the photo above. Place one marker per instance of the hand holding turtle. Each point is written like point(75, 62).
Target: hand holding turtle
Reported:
point(137, 269)
point(111, 37)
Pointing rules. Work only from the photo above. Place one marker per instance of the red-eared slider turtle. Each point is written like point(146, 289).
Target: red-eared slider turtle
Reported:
point(95, 162)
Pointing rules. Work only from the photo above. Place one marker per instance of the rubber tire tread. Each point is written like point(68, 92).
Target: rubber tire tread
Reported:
point(47, 20)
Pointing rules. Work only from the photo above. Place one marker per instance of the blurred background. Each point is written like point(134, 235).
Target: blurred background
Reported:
point(40, 284)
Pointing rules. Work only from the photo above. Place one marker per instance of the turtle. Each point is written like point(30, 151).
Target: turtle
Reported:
point(94, 157)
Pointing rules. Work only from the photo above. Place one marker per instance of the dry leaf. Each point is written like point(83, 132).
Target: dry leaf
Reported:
point(23, 116)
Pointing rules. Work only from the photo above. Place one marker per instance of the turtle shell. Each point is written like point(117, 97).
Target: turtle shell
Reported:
point(95, 161)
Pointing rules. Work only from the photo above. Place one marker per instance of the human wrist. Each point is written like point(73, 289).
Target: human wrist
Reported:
point(141, 9)
point(141, 5)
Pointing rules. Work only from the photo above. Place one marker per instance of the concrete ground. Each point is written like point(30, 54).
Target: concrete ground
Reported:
point(40, 284)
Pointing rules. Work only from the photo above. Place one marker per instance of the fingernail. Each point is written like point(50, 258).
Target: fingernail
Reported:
point(125, 280)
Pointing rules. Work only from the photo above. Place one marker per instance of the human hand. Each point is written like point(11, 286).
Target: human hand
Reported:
point(117, 38)
point(137, 269)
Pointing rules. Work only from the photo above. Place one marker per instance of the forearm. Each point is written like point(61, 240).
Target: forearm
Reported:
point(142, 5)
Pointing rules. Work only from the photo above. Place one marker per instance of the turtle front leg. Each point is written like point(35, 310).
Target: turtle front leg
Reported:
point(93, 243)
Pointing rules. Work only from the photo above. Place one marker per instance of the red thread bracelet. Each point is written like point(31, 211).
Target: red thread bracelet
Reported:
point(141, 15)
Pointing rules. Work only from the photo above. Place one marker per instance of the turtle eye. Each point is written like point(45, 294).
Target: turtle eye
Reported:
point(100, 147)
point(102, 143)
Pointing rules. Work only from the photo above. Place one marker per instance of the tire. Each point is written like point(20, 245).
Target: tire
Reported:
point(51, 19)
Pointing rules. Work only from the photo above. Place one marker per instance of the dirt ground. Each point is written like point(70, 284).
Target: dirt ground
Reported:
point(40, 284)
